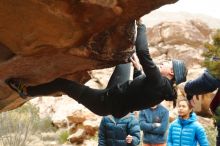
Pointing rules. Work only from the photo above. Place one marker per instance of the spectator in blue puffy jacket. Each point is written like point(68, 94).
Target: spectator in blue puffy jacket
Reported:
point(186, 130)
point(123, 131)
point(154, 123)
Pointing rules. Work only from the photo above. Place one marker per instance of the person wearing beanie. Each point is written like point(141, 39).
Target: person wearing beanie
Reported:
point(122, 95)
point(205, 83)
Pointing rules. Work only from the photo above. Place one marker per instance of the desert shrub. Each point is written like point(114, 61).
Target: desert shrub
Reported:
point(45, 125)
point(212, 55)
point(216, 116)
point(17, 125)
point(63, 135)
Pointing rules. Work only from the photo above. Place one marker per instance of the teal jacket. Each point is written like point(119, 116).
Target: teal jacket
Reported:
point(187, 133)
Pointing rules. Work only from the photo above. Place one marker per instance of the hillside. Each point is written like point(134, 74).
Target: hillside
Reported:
point(156, 17)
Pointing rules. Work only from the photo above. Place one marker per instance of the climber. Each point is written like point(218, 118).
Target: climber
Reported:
point(121, 95)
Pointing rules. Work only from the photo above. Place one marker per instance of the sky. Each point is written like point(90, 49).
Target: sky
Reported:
point(207, 7)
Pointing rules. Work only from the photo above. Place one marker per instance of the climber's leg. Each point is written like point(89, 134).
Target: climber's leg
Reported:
point(68, 87)
point(71, 88)
point(91, 98)
point(98, 101)
point(120, 75)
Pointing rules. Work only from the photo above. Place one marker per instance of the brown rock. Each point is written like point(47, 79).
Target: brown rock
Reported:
point(179, 33)
point(191, 56)
point(78, 136)
point(42, 40)
point(72, 128)
point(91, 127)
point(77, 117)
point(181, 40)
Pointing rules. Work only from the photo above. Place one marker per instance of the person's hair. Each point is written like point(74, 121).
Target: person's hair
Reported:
point(175, 96)
point(174, 90)
point(184, 99)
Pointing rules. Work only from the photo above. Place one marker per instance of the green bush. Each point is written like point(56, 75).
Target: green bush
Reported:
point(64, 134)
point(212, 55)
point(45, 125)
point(217, 115)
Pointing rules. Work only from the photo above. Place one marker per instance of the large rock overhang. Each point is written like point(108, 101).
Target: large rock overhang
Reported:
point(44, 39)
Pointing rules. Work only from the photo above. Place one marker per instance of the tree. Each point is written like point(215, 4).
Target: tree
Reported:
point(212, 55)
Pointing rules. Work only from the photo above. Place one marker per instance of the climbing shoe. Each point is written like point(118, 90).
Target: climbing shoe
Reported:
point(17, 85)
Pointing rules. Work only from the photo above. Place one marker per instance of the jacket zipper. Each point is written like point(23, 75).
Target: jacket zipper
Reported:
point(181, 135)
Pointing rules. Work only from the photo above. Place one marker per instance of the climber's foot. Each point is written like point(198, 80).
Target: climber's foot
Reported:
point(18, 86)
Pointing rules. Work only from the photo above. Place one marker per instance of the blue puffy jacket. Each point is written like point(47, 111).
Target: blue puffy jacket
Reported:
point(147, 118)
point(113, 132)
point(187, 132)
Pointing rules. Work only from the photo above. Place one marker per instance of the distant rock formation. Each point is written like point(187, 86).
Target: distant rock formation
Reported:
point(42, 40)
point(181, 40)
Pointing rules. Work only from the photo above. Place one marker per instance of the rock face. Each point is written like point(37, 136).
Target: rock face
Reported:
point(180, 40)
point(44, 39)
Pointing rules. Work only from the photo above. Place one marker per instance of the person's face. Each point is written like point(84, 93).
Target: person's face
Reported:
point(184, 109)
point(166, 69)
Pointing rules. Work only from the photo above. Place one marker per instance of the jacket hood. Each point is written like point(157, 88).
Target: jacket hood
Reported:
point(191, 119)
point(114, 119)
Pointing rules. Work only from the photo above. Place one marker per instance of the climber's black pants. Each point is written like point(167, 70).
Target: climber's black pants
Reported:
point(96, 100)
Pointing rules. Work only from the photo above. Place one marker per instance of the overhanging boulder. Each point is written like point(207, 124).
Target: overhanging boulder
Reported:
point(44, 39)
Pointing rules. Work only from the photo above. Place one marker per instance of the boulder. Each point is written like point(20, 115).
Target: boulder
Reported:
point(191, 32)
point(77, 137)
point(42, 40)
point(180, 39)
point(91, 127)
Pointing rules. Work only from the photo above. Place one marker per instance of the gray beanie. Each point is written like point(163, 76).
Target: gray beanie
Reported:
point(180, 71)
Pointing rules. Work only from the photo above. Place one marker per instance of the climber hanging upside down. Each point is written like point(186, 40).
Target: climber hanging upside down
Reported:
point(121, 95)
